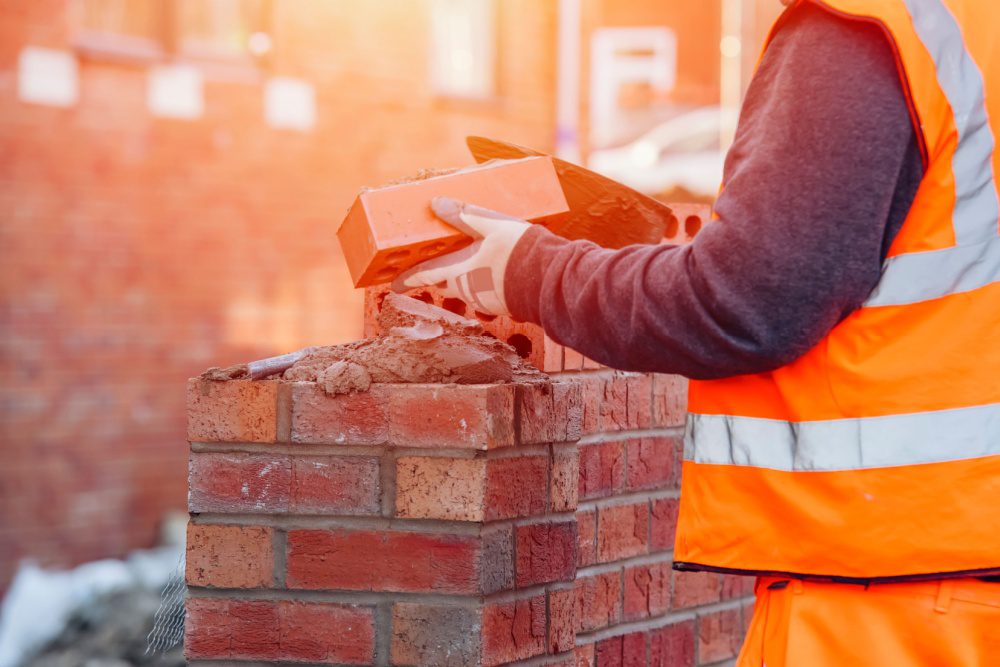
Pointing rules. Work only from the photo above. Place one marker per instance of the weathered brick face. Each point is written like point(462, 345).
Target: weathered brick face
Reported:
point(541, 529)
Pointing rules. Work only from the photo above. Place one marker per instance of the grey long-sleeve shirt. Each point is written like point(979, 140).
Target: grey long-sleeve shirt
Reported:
point(820, 177)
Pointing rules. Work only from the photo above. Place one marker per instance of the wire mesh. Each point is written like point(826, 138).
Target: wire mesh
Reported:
point(168, 621)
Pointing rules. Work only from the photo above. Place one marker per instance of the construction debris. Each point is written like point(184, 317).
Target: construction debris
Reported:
point(422, 344)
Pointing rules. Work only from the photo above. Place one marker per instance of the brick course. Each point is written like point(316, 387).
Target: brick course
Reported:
point(539, 520)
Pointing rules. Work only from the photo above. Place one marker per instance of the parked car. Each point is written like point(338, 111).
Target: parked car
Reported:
point(682, 154)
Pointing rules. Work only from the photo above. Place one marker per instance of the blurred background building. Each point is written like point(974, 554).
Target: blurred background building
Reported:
point(172, 173)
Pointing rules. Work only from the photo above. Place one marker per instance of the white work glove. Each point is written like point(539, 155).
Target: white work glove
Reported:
point(474, 274)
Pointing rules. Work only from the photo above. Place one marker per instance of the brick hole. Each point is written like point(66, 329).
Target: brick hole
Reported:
point(433, 249)
point(485, 317)
point(692, 225)
point(456, 306)
point(522, 344)
point(424, 296)
point(385, 274)
point(672, 225)
point(396, 255)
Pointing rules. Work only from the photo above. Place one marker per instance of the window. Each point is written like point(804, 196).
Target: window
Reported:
point(463, 48)
point(220, 30)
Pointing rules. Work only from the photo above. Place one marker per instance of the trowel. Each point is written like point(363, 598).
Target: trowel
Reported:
point(602, 210)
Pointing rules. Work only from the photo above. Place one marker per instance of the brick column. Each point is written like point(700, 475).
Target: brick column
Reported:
point(448, 524)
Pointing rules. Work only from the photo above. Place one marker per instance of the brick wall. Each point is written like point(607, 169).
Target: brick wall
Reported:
point(448, 525)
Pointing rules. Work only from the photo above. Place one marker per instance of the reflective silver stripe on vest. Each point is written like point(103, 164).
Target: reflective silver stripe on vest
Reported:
point(844, 444)
point(920, 276)
point(930, 275)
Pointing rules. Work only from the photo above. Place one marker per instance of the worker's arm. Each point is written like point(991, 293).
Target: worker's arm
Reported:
point(823, 170)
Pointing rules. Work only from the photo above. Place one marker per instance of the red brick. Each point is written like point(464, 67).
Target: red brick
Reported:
point(562, 620)
point(513, 630)
point(720, 635)
point(517, 486)
point(346, 419)
point(335, 485)
point(461, 416)
point(384, 561)
point(598, 601)
point(428, 634)
point(278, 630)
point(605, 403)
point(323, 632)
point(639, 399)
point(586, 528)
point(220, 629)
point(622, 531)
point(663, 520)
point(653, 462)
point(239, 482)
point(693, 589)
point(441, 488)
point(235, 411)
point(622, 651)
point(229, 556)
point(736, 586)
point(565, 479)
point(602, 469)
point(746, 612)
point(584, 655)
point(545, 552)
point(647, 591)
point(550, 412)
point(672, 645)
point(669, 400)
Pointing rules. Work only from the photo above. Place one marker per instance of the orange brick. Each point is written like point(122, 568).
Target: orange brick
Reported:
point(235, 411)
point(229, 556)
point(622, 531)
point(440, 488)
point(392, 228)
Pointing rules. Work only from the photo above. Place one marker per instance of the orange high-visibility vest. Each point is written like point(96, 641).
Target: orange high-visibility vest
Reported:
point(877, 454)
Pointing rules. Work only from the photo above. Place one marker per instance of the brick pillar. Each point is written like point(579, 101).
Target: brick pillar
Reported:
point(447, 525)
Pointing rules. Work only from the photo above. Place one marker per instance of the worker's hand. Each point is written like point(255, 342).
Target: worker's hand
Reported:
point(474, 274)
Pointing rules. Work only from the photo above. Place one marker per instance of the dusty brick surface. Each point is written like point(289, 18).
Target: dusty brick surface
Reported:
point(719, 635)
point(622, 531)
point(663, 520)
point(564, 482)
point(550, 412)
point(672, 645)
point(669, 400)
point(335, 485)
point(217, 628)
point(440, 488)
point(514, 630)
point(427, 634)
point(586, 528)
point(602, 470)
point(517, 487)
point(647, 591)
point(622, 651)
point(598, 601)
point(562, 620)
point(460, 416)
point(346, 419)
point(653, 463)
point(363, 560)
point(239, 482)
point(237, 411)
point(229, 556)
point(545, 552)
point(692, 589)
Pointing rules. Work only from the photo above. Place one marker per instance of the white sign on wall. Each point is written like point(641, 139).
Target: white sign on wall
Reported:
point(175, 91)
point(627, 55)
point(47, 76)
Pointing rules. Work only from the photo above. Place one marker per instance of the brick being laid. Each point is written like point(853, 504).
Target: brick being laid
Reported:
point(392, 228)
